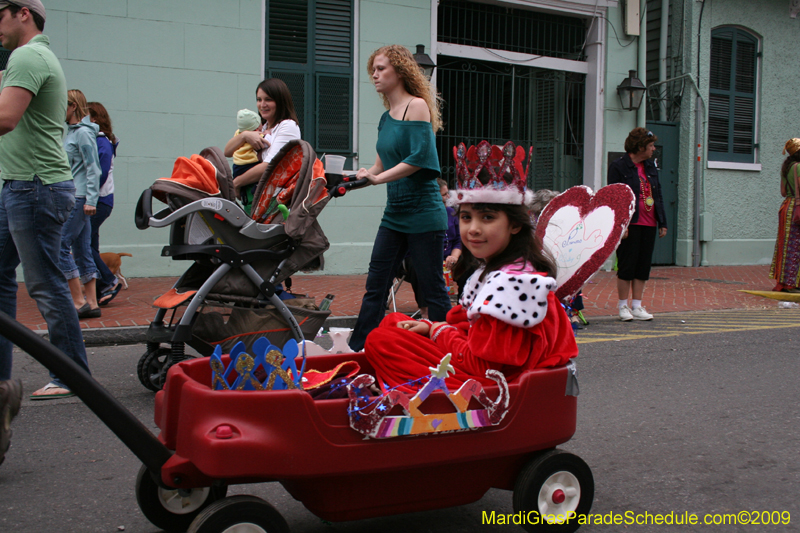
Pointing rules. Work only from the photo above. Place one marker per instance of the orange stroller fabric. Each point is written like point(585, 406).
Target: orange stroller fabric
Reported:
point(195, 173)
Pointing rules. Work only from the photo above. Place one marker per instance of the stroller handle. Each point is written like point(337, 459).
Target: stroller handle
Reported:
point(344, 184)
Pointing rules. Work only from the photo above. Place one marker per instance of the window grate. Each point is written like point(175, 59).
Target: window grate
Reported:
point(333, 114)
point(532, 107)
point(4, 55)
point(516, 30)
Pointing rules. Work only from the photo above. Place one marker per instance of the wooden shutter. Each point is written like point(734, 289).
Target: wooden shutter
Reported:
point(333, 56)
point(288, 31)
point(732, 95)
point(310, 47)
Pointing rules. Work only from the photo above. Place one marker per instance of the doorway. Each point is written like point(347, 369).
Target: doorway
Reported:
point(666, 160)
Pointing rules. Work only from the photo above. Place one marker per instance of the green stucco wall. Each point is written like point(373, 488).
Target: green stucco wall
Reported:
point(744, 204)
point(173, 73)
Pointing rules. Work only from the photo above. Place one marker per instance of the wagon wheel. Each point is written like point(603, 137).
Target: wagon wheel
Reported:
point(554, 485)
point(239, 514)
point(173, 510)
point(151, 369)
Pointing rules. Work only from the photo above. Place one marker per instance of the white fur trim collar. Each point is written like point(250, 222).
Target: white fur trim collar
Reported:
point(519, 299)
point(491, 196)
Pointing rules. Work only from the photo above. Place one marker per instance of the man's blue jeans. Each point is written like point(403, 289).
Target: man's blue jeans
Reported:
point(31, 217)
point(426, 251)
point(76, 245)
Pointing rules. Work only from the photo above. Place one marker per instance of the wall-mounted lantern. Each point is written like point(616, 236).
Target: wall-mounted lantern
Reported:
point(424, 60)
point(631, 91)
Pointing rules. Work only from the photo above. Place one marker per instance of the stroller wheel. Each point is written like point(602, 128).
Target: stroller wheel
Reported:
point(173, 510)
point(239, 513)
point(151, 368)
point(553, 490)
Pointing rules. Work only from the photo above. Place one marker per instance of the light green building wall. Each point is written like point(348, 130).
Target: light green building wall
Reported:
point(740, 206)
point(744, 204)
point(173, 73)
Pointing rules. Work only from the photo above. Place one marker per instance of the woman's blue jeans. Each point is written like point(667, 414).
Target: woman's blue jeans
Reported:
point(31, 217)
point(427, 253)
point(106, 280)
point(76, 245)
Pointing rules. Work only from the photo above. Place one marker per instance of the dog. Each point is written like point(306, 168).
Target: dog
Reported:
point(114, 263)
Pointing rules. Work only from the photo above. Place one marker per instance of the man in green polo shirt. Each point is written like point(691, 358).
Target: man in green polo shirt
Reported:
point(37, 195)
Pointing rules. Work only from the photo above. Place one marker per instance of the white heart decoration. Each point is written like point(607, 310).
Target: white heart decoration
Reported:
point(581, 230)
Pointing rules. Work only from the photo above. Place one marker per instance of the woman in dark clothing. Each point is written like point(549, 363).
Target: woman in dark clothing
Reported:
point(452, 251)
point(635, 252)
point(415, 219)
point(108, 286)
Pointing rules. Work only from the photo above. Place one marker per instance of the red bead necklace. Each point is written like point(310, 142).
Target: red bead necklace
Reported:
point(646, 192)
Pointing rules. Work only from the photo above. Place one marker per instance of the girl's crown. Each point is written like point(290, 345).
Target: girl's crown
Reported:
point(488, 174)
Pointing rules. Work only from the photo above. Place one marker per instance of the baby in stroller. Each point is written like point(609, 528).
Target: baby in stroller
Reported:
point(237, 260)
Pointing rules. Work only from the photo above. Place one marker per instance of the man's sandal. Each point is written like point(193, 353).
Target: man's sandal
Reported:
point(43, 394)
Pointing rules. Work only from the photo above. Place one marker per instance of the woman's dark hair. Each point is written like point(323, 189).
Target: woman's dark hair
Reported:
point(99, 115)
point(278, 91)
point(787, 163)
point(638, 139)
point(37, 18)
point(523, 245)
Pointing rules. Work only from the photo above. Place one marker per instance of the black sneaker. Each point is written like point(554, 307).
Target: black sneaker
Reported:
point(10, 398)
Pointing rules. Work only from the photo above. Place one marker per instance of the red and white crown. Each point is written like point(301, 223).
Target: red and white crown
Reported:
point(491, 175)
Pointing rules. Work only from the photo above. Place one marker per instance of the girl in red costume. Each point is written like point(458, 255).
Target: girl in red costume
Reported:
point(508, 318)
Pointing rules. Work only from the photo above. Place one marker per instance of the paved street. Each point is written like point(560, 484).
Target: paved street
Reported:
point(697, 413)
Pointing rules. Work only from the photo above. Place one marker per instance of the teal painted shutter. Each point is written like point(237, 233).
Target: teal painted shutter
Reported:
point(310, 47)
point(732, 96)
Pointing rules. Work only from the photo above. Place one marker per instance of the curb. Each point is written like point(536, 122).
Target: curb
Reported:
point(138, 334)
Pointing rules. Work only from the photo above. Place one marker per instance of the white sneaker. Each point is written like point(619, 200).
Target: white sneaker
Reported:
point(625, 313)
point(640, 313)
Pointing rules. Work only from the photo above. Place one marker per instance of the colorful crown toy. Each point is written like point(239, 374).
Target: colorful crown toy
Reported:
point(489, 174)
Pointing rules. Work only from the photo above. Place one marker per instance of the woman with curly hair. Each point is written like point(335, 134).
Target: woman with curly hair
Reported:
point(785, 269)
point(635, 252)
point(414, 220)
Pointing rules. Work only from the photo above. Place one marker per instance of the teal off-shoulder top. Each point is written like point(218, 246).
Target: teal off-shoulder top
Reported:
point(413, 203)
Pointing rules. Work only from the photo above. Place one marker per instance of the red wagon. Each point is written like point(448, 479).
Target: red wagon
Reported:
point(210, 439)
point(222, 437)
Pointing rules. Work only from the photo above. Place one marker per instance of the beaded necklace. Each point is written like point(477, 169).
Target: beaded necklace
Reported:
point(646, 192)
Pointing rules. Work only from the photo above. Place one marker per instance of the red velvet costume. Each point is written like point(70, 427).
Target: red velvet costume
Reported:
point(509, 322)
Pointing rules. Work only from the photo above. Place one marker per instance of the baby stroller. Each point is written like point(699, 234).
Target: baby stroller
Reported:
point(238, 260)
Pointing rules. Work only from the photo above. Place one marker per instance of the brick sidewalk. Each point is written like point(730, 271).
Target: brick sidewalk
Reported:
point(670, 289)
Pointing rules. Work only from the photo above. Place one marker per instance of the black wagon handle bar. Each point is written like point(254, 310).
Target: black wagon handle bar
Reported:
point(108, 409)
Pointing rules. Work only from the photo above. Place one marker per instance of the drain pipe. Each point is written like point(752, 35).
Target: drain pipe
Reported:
point(662, 59)
point(641, 117)
point(698, 169)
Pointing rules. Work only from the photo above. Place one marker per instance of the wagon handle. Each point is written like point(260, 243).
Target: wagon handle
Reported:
point(108, 409)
